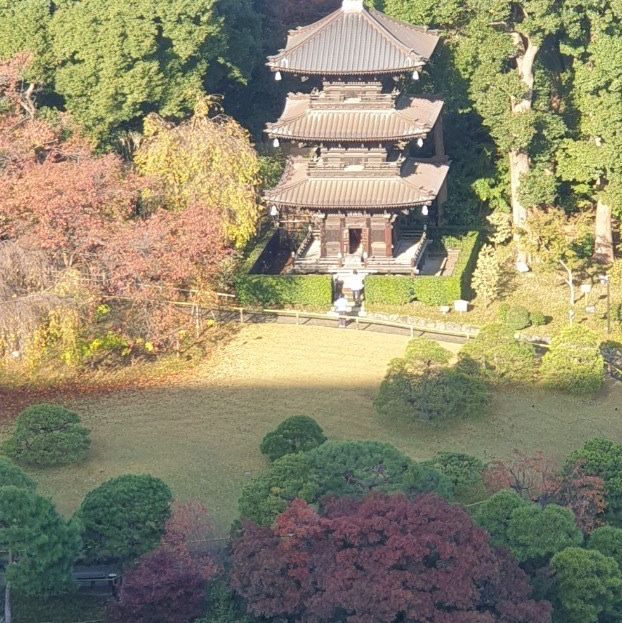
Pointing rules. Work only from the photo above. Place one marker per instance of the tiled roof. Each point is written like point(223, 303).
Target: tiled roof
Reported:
point(419, 183)
point(301, 120)
point(363, 41)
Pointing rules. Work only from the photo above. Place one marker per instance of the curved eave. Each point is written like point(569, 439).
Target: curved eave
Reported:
point(354, 206)
point(274, 133)
point(419, 64)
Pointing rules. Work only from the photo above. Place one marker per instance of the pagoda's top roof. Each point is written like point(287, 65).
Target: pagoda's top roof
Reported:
point(383, 185)
point(355, 40)
point(376, 118)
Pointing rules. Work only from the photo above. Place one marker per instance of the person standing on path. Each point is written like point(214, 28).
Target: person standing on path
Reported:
point(356, 285)
point(342, 307)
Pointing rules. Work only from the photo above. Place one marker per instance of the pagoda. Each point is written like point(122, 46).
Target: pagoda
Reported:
point(367, 168)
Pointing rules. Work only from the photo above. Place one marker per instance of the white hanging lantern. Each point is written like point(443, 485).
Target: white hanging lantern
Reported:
point(277, 76)
point(275, 142)
point(425, 211)
point(419, 142)
point(415, 75)
point(274, 212)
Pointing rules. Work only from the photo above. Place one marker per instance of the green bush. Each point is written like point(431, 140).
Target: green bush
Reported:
point(537, 319)
point(295, 434)
point(574, 362)
point(497, 355)
point(423, 478)
point(349, 468)
point(608, 541)
point(13, 476)
point(430, 394)
point(517, 318)
point(393, 290)
point(422, 350)
point(123, 518)
point(389, 290)
point(465, 472)
point(47, 435)
point(285, 290)
point(603, 458)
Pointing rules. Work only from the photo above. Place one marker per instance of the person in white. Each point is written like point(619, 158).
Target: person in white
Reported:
point(356, 285)
point(342, 308)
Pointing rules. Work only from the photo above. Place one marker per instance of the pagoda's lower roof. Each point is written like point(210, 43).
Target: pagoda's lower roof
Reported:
point(305, 186)
point(302, 120)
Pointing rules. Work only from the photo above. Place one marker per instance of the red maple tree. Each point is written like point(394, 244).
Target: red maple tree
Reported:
point(537, 478)
point(383, 559)
point(168, 585)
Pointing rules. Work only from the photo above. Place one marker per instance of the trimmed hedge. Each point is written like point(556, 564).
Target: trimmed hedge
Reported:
point(284, 290)
point(398, 290)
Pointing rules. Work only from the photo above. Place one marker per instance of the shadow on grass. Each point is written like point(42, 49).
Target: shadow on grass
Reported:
point(204, 441)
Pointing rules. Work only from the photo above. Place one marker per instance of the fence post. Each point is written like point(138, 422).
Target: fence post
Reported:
point(241, 315)
point(412, 331)
point(297, 317)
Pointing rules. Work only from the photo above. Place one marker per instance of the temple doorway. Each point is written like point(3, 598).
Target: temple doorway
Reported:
point(355, 240)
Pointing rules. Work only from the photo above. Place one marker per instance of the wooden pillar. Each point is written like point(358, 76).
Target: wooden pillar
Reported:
point(323, 237)
point(388, 238)
point(439, 142)
point(345, 237)
point(367, 237)
point(440, 202)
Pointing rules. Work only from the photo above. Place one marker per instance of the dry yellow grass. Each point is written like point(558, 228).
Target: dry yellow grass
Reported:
point(202, 434)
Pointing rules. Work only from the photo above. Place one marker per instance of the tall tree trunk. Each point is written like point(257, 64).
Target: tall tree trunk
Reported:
point(603, 245)
point(519, 166)
point(519, 158)
point(7, 602)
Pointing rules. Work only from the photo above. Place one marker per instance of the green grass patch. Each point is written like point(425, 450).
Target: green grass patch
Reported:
point(201, 433)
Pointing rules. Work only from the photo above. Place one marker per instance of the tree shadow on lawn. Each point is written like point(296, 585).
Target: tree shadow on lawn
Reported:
point(204, 441)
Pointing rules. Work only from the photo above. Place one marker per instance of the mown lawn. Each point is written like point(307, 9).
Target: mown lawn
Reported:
point(201, 435)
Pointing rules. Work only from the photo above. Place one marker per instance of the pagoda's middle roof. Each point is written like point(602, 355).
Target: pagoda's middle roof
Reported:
point(306, 118)
point(382, 186)
point(350, 42)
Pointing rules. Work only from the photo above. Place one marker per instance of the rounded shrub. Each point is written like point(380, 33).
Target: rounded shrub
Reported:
point(574, 362)
point(123, 518)
point(47, 435)
point(295, 434)
point(517, 318)
point(495, 354)
point(537, 319)
point(431, 394)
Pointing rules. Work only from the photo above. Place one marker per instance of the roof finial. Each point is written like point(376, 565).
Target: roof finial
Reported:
point(352, 6)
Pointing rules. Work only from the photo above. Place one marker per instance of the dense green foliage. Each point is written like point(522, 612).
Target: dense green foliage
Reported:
point(13, 476)
point(517, 318)
point(430, 394)
point(113, 62)
point(352, 468)
point(463, 471)
point(574, 363)
point(530, 532)
point(426, 477)
point(497, 355)
point(608, 541)
point(427, 352)
point(123, 518)
point(586, 585)
point(39, 544)
point(298, 433)
point(603, 458)
point(47, 435)
point(314, 291)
